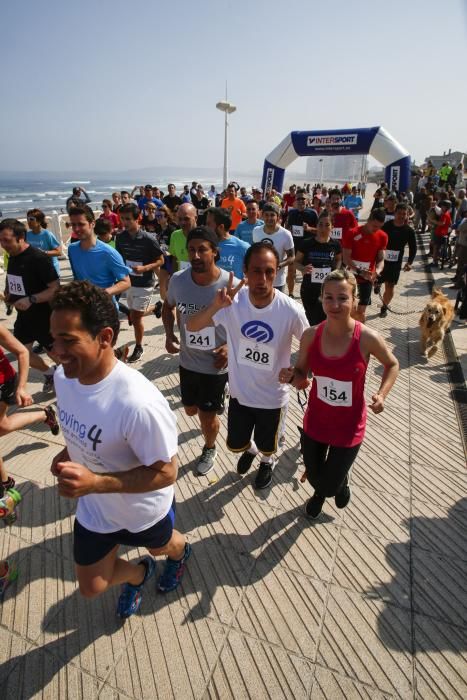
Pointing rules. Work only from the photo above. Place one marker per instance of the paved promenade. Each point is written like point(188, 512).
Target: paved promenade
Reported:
point(369, 602)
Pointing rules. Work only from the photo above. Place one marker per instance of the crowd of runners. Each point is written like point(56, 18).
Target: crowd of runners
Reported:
point(226, 265)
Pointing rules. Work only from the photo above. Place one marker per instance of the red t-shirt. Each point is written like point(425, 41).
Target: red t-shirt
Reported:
point(365, 246)
point(6, 370)
point(113, 218)
point(444, 222)
point(289, 200)
point(342, 223)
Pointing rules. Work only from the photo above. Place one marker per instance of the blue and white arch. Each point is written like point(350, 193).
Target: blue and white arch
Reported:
point(374, 141)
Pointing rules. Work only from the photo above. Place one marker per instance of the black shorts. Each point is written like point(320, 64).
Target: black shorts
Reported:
point(7, 391)
point(90, 547)
point(391, 272)
point(205, 391)
point(364, 292)
point(263, 423)
point(29, 329)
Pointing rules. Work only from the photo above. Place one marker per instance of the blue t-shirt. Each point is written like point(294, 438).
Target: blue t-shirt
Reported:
point(232, 252)
point(101, 264)
point(142, 201)
point(351, 201)
point(244, 230)
point(45, 240)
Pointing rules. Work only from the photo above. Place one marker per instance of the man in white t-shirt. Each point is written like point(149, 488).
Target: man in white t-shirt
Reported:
point(120, 456)
point(280, 238)
point(260, 322)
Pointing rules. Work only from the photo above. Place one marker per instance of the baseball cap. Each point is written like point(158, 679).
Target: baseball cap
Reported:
point(203, 233)
point(270, 206)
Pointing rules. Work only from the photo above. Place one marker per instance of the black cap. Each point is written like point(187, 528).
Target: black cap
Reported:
point(203, 233)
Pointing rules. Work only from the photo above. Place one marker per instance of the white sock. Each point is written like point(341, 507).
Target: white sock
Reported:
point(253, 450)
point(267, 459)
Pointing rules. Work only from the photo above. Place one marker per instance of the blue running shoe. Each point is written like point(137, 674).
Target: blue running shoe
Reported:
point(173, 572)
point(131, 596)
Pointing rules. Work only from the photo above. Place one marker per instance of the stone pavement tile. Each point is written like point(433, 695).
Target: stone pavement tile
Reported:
point(333, 686)
point(378, 514)
point(283, 608)
point(43, 582)
point(300, 545)
point(28, 457)
point(440, 530)
point(427, 449)
point(190, 512)
point(373, 567)
point(441, 660)
point(425, 416)
point(12, 649)
point(390, 447)
point(439, 588)
point(368, 641)
point(213, 580)
point(250, 668)
point(168, 656)
point(380, 473)
point(438, 486)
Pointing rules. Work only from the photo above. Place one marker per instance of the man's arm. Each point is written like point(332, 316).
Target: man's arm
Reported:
point(119, 287)
point(347, 258)
point(87, 198)
point(412, 249)
point(168, 319)
point(289, 259)
point(47, 295)
point(379, 262)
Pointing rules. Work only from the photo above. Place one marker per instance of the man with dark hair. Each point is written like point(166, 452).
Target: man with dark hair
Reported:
point(201, 204)
point(231, 249)
point(260, 322)
point(301, 222)
point(390, 206)
point(280, 238)
point(244, 230)
point(148, 197)
point(400, 234)
point(77, 199)
point(142, 255)
point(363, 253)
point(31, 282)
point(234, 205)
point(172, 200)
point(92, 260)
point(343, 220)
point(203, 355)
point(126, 197)
point(120, 459)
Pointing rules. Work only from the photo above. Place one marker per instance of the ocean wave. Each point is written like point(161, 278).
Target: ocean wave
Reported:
point(16, 201)
point(75, 182)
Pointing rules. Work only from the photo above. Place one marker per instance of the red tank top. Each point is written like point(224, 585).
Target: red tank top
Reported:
point(6, 370)
point(336, 413)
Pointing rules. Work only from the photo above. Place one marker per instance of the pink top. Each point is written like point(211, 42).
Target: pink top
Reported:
point(336, 413)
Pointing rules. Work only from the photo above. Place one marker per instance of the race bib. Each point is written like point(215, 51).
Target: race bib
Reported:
point(336, 234)
point(131, 264)
point(319, 274)
point(16, 286)
point(257, 355)
point(361, 265)
point(297, 231)
point(184, 264)
point(201, 340)
point(334, 392)
point(391, 255)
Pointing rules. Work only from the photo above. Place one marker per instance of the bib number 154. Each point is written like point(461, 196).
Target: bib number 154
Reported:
point(334, 392)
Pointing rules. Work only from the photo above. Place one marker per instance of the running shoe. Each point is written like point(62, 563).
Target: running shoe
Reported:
point(314, 506)
point(206, 461)
point(158, 309)
point(244, 463)
point(281, 442)
point(137, 354)
point(342, 497)
point(384, 312)
point(264, 475)
point(131, 596)
point(10, 576)
point(51, 420)
point(9, 309)
point(173, 572)
point(38, 349)
point(377, 287)
point(8, 484)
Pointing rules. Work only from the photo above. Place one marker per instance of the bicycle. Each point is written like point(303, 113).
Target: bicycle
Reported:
point(446, 251)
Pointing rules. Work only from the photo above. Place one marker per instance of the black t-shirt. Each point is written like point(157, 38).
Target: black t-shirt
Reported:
point(322, 256)
point(201, 205)
point(172, 202)
point(295, 221)
point(398, 238)
point(28, 273)
point(150, 225)
point(141, 249)
point(164, 238)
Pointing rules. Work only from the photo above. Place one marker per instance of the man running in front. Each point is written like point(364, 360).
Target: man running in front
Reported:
point(120, 455)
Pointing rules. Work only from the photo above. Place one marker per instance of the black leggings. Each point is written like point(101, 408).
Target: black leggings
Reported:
point(327, 466)
point(313, 308)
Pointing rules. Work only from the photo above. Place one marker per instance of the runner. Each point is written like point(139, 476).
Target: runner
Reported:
point(142, 255)
point(203, 356)
point(439, 231)
point(301, 222)
point(317, 257)
point(231, 249)
point(234, 205)
point(31, 282)
point(244, 230)
point(343, 220)
point(120, 456)
point(363, 252)
point(186, 215)
point(336, 353)
point(278, 236)
point(354, 203)
point(40, 237)
point(260, 322)
point(390, 206)
point(400, 234)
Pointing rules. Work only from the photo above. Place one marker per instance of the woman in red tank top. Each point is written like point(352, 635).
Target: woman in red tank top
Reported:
point(336, 353)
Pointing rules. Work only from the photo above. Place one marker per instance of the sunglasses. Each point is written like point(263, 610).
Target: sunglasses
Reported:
point(31, 218)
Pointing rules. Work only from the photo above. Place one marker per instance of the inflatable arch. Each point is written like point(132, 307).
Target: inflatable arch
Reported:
point(374, 141)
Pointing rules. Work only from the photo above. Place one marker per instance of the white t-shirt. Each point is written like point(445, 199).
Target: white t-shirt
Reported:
point(116, 425)
point(282, 240)
point(259, 345)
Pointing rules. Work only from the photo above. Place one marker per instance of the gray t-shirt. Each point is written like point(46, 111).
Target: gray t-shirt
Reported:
point(188, 297)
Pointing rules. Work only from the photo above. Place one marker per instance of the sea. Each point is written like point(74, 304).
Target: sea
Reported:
point(49, 191)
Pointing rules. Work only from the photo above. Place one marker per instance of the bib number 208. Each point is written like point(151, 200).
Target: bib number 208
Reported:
point(257, 356)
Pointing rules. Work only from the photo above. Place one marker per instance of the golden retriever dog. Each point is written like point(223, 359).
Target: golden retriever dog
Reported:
point(434, 322)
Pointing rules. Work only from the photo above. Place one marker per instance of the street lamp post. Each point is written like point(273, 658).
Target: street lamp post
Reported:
point(227, 108)
point(321, 160)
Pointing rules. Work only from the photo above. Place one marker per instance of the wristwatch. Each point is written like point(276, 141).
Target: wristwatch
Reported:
point(33, 299)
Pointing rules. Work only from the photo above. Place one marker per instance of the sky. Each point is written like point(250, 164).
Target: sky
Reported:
point(115, 84)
